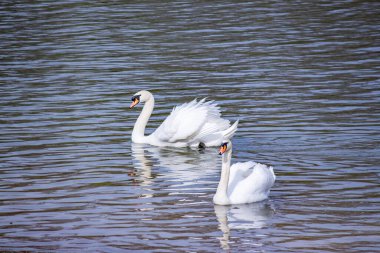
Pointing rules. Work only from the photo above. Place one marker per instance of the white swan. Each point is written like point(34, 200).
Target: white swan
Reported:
point(191, 124)
point(246, 183)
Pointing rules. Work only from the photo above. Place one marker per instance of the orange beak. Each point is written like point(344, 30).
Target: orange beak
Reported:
point(134, 102)
point(222, 149)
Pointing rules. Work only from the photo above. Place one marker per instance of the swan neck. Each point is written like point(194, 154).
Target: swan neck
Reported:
point(138, 132)
point(221, 195)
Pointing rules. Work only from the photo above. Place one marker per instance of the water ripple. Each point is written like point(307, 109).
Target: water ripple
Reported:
point(301, 77)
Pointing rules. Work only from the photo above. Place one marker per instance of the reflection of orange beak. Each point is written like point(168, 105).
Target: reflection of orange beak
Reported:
point(135, 102)
point(222, 149)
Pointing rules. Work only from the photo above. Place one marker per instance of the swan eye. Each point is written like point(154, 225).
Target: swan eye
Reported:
point(223, 148)
point(136, 97)
point(135, 101)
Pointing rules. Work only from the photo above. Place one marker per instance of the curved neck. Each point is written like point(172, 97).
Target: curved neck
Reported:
point(139, 128)
point(221, 195)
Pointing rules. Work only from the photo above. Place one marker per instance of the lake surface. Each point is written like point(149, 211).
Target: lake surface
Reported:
point(303, 78)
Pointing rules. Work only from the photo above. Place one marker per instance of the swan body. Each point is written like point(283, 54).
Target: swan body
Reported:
point(242, 182)
point(197, 123)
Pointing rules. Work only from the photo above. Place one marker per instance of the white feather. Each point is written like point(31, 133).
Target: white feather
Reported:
point(252, 182)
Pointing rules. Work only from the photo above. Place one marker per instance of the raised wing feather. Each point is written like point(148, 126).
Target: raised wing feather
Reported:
point(184, 122)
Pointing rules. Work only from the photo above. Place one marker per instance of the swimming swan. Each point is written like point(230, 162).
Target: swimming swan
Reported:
point(242, 182)
point(194, 124)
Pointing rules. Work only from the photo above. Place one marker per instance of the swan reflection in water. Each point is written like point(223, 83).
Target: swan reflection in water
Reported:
point(242, 217)
point(175, 166)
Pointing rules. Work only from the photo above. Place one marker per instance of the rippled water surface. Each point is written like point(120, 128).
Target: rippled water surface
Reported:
point(303, 78)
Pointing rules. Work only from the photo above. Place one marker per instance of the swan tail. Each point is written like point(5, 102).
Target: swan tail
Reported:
point(228, 133)
point(216, 138)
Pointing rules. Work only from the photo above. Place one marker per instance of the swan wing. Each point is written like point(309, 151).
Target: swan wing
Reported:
point(252, 184)
point(191, 121)
point(238, 172)
point(262, 176)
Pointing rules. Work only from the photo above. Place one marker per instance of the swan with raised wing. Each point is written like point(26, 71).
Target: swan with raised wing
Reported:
point(242, 182)
point(194, 124)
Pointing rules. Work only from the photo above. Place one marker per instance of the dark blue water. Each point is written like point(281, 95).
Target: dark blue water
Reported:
point(303, 78)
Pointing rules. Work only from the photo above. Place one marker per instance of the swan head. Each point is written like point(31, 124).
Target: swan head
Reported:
point(225, 146)
point(141, 96)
